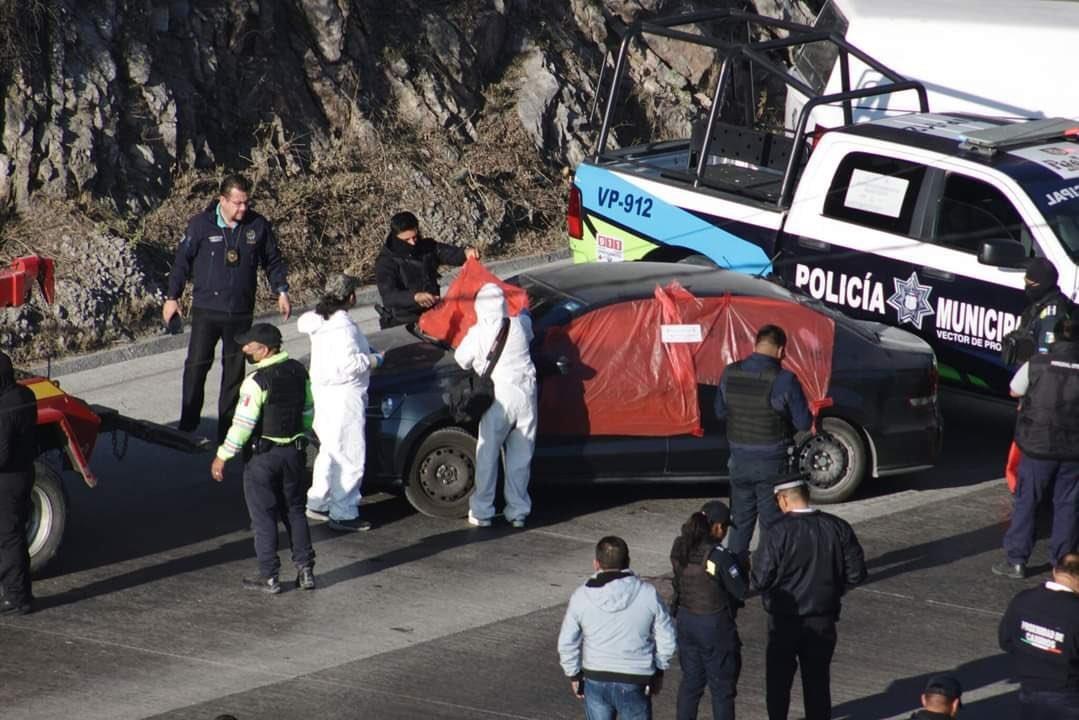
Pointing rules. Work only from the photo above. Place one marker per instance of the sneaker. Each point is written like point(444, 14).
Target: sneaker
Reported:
point(353, 525)
point(1015, 571)
point(317, 515)
point(476, 522)
point(518, 522)
point(305, 579)
point(269, 585)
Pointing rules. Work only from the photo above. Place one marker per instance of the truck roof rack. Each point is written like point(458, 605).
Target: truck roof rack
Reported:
point(990, 140)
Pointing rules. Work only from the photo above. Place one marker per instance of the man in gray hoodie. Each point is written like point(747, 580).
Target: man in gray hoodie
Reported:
point(617, 638)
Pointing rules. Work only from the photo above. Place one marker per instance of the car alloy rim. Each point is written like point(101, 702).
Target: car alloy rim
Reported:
point(41, 518)
point(825, 460)
point(446, 474)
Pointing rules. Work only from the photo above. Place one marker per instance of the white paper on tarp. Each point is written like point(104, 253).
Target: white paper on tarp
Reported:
point(876, 193)
point(680, 333)
point(609, 249)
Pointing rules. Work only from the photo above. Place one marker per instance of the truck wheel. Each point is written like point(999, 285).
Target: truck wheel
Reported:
point(834, 460)
point(443, 473)
point(48, 516)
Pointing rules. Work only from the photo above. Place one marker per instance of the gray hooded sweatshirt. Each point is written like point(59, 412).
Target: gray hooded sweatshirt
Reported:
point(616, 629)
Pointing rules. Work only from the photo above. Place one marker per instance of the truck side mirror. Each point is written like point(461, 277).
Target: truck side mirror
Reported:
point(1002, 252)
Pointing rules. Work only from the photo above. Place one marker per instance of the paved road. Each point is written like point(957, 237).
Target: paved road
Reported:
point(143, 614)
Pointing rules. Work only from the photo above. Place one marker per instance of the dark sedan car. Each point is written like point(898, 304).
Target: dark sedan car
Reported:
point(881, 415)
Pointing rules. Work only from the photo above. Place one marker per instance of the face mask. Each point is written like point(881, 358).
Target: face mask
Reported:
point(1035, 292)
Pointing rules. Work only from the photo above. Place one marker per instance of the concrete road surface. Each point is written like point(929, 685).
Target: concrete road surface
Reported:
point(143, 615)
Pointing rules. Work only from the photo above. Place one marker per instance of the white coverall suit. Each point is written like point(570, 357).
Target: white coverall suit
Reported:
point(341, 362)
point(512, 417)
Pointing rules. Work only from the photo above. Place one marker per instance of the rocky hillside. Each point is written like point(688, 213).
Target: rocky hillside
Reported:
point(119, 117)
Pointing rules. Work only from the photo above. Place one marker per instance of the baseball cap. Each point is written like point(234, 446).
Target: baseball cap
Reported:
point(339, 286)
point(716, 511)
point(789, 481)
point(946, 685)
point(263, 333)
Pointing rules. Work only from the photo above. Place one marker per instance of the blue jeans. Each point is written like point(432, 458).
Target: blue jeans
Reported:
point(606, 700)
point(710, 654)
point(752, 480)
point(1039, 479)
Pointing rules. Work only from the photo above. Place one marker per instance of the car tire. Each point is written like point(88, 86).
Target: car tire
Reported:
point(834, 460)
point(48, 516)
point(442, 473)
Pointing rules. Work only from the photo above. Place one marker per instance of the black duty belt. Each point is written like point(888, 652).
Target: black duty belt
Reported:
point(265, 445)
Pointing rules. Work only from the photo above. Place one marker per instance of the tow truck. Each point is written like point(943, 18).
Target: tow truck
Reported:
point(68, 424)
point(925, 221)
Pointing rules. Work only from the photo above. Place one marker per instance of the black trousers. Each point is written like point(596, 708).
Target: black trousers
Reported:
point(710, 655)
point(806, 641)
point(208, 327)
point(275, 487)
point(15, 508)
point(1048, 705)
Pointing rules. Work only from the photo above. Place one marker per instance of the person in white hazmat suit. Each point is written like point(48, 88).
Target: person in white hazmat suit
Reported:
point(341, 364)
point(512, 417)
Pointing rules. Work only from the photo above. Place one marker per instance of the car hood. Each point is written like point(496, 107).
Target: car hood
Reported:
point(408, 359)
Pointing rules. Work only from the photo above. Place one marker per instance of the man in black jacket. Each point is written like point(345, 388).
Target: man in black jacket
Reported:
point(18, 448)
point(941, 700)
point(1047, 432)
point(805, 564)
point(223, 248)
point(406, 270)
point(1048, 305)
point(1040, 630)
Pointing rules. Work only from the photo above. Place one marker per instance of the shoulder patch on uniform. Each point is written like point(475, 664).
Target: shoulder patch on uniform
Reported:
point(710, 567)
point(247, 400)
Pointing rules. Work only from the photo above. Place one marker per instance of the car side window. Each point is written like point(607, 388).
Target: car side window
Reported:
point(971, 211)
point(875, 191)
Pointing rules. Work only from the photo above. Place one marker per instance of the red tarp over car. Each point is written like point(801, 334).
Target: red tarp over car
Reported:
point(624, 380)
point(455, 314)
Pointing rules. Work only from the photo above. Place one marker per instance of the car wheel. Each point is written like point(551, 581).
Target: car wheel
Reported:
point(834, 460)
point(48, 516)
point(443, 473)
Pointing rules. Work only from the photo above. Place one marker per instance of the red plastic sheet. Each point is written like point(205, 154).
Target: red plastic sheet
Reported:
point(623, 380)
point(455, 314)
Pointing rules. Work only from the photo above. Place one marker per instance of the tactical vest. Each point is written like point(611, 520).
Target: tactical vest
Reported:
point(1048, 425)
point(751, 420)
point(285, 385)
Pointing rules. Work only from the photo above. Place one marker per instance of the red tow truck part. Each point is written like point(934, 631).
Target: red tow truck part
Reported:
point(68, 423)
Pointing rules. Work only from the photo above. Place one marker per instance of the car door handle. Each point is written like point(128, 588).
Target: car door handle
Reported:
point(812, 244)
point(937, 274)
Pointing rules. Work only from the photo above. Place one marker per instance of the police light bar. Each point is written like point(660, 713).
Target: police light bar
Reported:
point(992, 139)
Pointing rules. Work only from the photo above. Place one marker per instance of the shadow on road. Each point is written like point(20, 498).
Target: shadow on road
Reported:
point(902, 697)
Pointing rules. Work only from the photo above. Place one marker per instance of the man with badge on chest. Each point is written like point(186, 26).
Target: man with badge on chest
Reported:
point(222, 250)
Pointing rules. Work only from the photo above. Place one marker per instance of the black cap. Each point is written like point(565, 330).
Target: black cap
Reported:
point(263, 333)
point(945, 685)
point(717, 512)
point(788, 480)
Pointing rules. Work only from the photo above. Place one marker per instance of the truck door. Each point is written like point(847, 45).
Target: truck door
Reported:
point(896, 240)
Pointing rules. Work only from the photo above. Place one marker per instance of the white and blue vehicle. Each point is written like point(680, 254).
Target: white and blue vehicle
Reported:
point(923, 221)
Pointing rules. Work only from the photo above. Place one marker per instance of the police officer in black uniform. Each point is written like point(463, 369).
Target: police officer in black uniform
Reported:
point(764, 405)
point(1048, 305)
point(18, 448)
point(406, 270)
point(806, 562)
point(708, 590)
point(270, 425)
point(1047, 432)
point(223, 247)
point(1040, 630)
point(942, 699)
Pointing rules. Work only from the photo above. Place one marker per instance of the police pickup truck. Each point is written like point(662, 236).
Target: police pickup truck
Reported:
point(924, 221)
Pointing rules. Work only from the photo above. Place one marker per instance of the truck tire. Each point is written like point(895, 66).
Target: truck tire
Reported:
point(442, 473)
point(834, 460)
point(48, 516)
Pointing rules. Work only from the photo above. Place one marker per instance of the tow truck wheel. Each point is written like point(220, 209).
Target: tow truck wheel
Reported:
point(834, 461)
point(48, 516)
point(443, 473)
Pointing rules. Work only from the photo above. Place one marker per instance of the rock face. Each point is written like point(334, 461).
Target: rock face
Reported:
point(106, 104)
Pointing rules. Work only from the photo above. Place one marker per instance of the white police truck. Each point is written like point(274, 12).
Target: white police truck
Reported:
point(924, 221)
